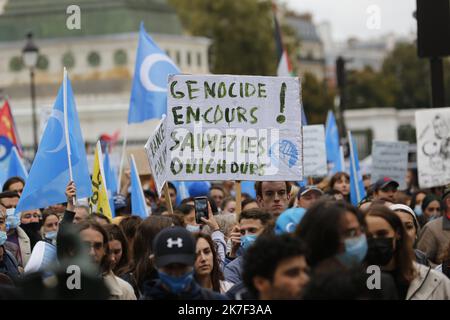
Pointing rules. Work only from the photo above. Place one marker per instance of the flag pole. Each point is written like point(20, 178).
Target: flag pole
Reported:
point(352, 159)
point(167, 198)
point(122, 159)
point(238, 189)
point(66, 127)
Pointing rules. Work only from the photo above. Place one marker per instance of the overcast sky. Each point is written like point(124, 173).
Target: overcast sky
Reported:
point(349, 17)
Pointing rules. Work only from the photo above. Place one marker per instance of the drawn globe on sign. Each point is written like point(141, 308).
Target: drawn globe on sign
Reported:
point(285, 151)
point(5, 147)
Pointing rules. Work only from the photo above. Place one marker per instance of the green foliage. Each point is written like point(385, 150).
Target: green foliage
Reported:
point(317, 99)
point(241, 31)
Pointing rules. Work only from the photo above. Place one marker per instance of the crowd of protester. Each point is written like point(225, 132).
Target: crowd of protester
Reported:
point(291, 241)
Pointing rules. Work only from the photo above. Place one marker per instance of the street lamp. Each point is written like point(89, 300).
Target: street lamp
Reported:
point(30, 54)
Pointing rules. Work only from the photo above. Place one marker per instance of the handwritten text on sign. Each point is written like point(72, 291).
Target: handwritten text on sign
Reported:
point(234, 128)
point(314, 152)
point(390, 159)
point(156, 148)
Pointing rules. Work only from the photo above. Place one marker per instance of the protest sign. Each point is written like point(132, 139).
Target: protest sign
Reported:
point(433, 147)
point(314, 151)
point(223, 127)
point(390, 159)
point(156, 148)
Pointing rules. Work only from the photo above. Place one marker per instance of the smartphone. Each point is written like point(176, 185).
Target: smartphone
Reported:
point(201, 209)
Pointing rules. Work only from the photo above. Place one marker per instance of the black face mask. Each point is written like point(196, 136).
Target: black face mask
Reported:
point(32, 226)
point(380, 252)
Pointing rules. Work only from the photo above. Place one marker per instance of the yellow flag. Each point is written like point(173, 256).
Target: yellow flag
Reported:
point(99, 201)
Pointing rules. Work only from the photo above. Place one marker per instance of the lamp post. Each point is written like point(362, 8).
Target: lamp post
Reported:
point(30, 54)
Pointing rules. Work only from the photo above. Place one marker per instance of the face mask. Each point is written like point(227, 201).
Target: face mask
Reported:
point(355, 251)
point(12, 219)
point(418, 210)
point(247, 241)
point(380, 252)
point(51, 235)
point(31, 227)
point(3, 237)
point(176, 284)
point(192, 228)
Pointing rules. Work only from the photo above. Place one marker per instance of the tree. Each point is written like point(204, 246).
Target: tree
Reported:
point(242, 33)
point(369, 89)
point(317, 99)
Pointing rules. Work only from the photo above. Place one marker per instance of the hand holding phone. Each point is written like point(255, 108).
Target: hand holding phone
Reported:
point(201, 209)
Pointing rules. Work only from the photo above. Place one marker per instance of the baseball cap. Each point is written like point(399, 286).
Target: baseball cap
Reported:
point(384, 182)
point(305, 189)
point(288, 220)
point(174, 245)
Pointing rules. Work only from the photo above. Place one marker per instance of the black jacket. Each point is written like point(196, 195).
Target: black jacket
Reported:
point(154, 290)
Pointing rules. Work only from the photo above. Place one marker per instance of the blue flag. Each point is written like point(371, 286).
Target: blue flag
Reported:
point(304, 119)
point(357, 191)
point(49, 174)
point(138, 205)
point(249, 188)
point(111, 182)
point(332, 144)
point(16, 167)
point(149, 89)
point(182, 191)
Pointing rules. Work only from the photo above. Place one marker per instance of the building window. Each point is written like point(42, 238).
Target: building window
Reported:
point(68, 60)
point(15, 64)
point(120, 57)
point(93, 59)
point(406, 132)
point(199, 59)
point(188, 58)
point(42, 62)
point(178, 57)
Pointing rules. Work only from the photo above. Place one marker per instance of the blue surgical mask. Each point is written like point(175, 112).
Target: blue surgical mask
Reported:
point(51, 235)
point(176, 284)
point(247, 240)
point(355, 251)
point(192, 228)
point(12, 219)
point(3, 237)
point(418, 210)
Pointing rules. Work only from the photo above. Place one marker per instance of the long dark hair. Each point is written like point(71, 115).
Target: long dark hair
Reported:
point(335, 178)
point(404, 254)
point(142, 247)
point(105, 263)
point(115, 233)
point(216, 273)
point(320, 229)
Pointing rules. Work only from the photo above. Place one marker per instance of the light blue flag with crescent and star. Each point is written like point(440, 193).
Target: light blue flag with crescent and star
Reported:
point(149, 89)
point(138, 204)
point(332, 144)
point(357, 190)
point(49, 174)
point(16, 167)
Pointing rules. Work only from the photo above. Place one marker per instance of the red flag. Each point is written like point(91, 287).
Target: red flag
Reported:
point(7, 126)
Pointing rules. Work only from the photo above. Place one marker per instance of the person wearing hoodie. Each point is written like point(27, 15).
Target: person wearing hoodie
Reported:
point(174, 256)
point(252, 223)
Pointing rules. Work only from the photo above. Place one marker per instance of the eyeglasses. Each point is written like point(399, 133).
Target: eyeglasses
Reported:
point(29, 216)
point(96, 245)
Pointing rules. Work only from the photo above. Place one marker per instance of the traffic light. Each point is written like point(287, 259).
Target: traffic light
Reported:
point(340, 72)
point(433, 28)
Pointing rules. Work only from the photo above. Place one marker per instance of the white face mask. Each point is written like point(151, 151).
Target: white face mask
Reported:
point(191, 228)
